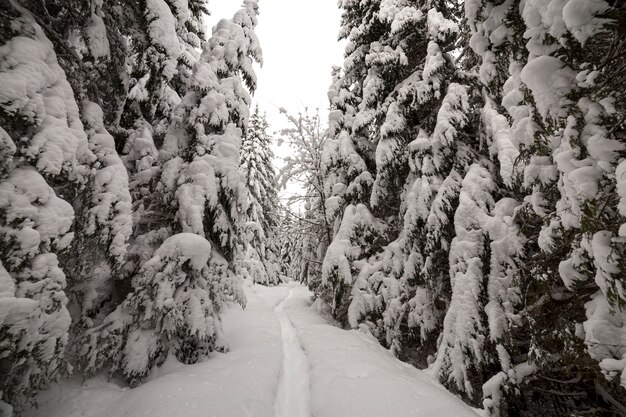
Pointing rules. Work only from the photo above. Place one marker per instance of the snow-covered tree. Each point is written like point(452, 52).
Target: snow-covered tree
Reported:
point(202, 146)
point(44, 147)
point(261, 257)
point(535, 62)
point(517, 99)
point(402, 124)
point(196, 173)
point(65, 194)
point(462, 350)
point(173, 307)
point(104, 225)
point(256, 164)
point(359, 237)
point(288, 235)
point(163, 63)
point(202, 198)
point(160, 71)
point(307, 137)
point(439, 160)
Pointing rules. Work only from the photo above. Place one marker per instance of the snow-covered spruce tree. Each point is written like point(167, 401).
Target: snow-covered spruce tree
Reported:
point(439, 115)
point(99, 43)
point(298, 241)
point(464, 332)
point(375, 64)
point(163, 62)
point(483, 265)
point(103, 227)
point(304, 246)
point(347, 159)
point(202, 147)
point(133, 61)
point(159, 77)
point(494, 48)
point(440, 156)
point(44, 153)
point(348, 163)
point(355, 101)
point(360, 236)
point(96, 42)
point(261, 257)
point(193, 158)
point(288, 238)
point(404, 75)
point(360, 96)
point(204, 201)
point(572, 163)
point(256, 164)
point(558, 92)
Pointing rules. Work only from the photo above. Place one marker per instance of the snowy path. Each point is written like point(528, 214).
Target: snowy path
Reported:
point(293, 396)
point(351, 375)
point(285, 361)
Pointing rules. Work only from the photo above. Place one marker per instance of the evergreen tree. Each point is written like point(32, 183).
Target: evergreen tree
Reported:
point(400, 59)
point(44, 147)
point(256, 165)
point(204, 201)
point(545, 135)
point(104, 224)
point(288, 236)
point(462, 350)
point(163, 63)
point(359, 237)
point(569, 142)
point(173, 306)
point(161, 70)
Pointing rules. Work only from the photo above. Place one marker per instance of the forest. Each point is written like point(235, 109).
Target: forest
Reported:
point(462, 209)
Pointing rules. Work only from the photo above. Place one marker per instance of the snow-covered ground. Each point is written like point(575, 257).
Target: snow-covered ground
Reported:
point(352, 375)
point(293, 398)
point(324, 372)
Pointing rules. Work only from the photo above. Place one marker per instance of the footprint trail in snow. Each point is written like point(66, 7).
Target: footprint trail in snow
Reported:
point(293, 395)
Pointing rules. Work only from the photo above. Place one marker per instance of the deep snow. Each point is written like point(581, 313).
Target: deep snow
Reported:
point(324, 372)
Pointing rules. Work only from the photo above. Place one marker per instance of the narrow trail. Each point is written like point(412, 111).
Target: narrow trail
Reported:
point(293, 398)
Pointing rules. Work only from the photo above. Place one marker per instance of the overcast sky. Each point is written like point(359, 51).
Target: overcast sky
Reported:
point(299, 41)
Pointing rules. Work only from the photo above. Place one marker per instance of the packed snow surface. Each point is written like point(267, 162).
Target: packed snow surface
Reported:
point(284, 358)
point(293, 396)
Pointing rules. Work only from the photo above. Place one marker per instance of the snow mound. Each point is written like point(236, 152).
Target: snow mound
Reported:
point(187, 246)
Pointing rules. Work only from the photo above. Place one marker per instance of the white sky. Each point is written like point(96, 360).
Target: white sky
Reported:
point(299, 41)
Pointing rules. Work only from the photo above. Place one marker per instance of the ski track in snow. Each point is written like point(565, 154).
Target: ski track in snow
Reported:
point(293, 395)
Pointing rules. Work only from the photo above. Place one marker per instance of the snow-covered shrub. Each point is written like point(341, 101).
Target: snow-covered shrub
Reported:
point(173, 307)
